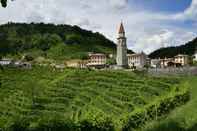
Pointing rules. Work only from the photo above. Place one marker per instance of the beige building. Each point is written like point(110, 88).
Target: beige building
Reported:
point(97, 59)
point(181, 59)
point(5, 62)
point(167, 62)
point(137, 60)
point(177, 61)
point(76, 63)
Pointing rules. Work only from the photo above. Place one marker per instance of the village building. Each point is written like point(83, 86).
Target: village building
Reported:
point(77, 63)
point(83, 64)
point(167, 62)
point(177, 61)
point(137, 60)
point(181, 59)
point(72, 63)
point(97, 60)
point(121, 58)
point(5, 62)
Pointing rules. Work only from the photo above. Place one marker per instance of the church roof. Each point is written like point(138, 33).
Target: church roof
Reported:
point(121, 28)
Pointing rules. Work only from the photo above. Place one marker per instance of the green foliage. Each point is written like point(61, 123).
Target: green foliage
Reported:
point(183, 118)
point(28, 57)
point(4, 3)
point(111, 61)
point(55, 41)
point(169, 52)
point(46, 41)
point(155, 110)
point(75, 99)
point(74, 39)
point(195, 63)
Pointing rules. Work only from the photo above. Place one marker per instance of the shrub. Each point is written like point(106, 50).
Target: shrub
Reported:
point(159, 108)
point(55, 124)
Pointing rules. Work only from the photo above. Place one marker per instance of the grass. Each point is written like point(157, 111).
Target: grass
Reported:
point(183, 118)
point(77, 95)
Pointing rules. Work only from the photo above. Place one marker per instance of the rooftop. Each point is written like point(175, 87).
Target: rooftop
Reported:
point(97, 54)
point(181, 55)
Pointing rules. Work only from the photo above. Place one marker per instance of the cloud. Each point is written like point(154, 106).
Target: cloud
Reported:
point(145, 30)
point(190, 13)
point(164, 38)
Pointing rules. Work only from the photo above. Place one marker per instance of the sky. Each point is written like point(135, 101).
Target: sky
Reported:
point(149, 24)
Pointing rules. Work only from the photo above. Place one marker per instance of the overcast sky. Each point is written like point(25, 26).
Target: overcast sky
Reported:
point(149, 24)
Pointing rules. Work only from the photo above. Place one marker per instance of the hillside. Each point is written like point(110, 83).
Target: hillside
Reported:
point(183, 118)
point(57, 42)
point(188, 48)
point(45, 99)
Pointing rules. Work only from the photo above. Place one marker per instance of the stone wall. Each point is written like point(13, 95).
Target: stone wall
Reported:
point(173, 71)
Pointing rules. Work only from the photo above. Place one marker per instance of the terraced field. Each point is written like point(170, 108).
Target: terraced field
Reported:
point(103, 99)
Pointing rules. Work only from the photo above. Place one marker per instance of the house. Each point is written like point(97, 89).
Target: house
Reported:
point(21, 64)
point(76, 63)
point(97, 60)
point(167, 62)
point(137, 60)
point(72, 63)
point(181, 59)
point(83, 64)
point(5, 62)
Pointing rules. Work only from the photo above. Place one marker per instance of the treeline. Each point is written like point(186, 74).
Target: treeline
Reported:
point(17, 38)
point(188, 49)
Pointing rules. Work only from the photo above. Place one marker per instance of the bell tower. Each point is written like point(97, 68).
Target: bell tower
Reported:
point(122, 61)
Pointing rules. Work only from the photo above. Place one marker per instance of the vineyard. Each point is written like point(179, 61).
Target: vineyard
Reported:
point(45, 99)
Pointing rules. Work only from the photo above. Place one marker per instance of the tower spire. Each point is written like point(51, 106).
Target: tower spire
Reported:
point(121, 28)
point(122, 61)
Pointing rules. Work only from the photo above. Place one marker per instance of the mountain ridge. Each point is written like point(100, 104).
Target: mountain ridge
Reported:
point(52, 41)
point(189, 49)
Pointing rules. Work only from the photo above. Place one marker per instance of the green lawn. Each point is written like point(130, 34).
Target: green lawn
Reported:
point(183, 118)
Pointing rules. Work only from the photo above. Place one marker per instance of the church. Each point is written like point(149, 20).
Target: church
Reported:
point(125, 60)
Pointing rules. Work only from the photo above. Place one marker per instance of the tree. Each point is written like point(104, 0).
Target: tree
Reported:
point(74, 39)
point(46, 41)
point(111, 61)
point(4, 3)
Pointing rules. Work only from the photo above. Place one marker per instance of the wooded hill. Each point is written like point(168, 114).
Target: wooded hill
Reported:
point(189, 49)
point(51, 41)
